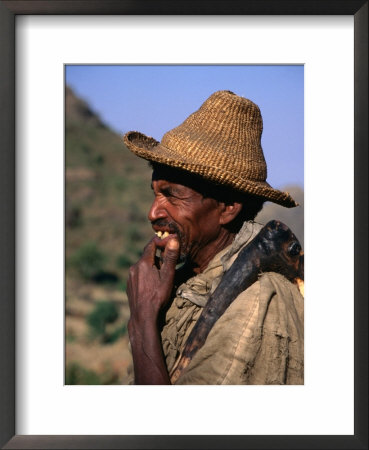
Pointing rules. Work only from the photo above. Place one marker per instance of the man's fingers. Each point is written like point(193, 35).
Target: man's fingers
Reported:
point(149, 252)
point(170, 257)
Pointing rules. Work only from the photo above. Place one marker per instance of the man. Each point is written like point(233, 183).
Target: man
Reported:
point(209, 182)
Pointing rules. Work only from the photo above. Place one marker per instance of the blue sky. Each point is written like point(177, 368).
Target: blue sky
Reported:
point(155, 98)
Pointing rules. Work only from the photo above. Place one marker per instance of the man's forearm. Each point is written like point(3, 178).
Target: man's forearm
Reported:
point(147, 352)
point(148, 290)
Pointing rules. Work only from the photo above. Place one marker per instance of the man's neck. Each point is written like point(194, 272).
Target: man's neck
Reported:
point(203, 259)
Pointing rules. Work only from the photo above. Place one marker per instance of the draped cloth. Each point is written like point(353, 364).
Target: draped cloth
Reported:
point(258, 340)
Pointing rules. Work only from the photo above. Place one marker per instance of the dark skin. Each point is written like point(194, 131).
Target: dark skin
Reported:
point(198, 231)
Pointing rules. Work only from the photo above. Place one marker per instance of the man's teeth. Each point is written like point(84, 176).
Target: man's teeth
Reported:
point(162, 235)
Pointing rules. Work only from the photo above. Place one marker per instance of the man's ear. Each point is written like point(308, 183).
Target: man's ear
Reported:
point(229, 212)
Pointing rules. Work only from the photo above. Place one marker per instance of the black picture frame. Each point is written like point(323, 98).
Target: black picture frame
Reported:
point(8, 12)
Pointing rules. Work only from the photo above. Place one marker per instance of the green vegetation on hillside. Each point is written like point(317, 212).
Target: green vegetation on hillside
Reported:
point(107, 197)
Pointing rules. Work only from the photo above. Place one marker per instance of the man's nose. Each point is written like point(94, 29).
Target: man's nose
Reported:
point(157, 211)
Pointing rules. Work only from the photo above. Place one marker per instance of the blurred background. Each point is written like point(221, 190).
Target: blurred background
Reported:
point(107, 188)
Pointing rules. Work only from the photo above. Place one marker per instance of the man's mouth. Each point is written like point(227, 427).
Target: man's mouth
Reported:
point(164, 230)
point(162, 235)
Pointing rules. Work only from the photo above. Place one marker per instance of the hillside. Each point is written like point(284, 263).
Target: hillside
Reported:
point(107, 200)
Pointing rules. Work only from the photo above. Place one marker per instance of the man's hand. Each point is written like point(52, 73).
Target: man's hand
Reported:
point(149, 287)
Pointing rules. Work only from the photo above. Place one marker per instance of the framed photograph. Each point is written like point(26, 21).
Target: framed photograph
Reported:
point(108, 195)
point(41, 42)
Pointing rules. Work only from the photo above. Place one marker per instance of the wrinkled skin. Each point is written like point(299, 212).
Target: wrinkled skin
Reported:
point(197, 233)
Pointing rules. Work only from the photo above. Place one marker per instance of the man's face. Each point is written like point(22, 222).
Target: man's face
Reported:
point(180, 210)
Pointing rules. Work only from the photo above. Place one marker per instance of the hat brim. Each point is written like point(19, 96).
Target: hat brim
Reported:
point(150, 149)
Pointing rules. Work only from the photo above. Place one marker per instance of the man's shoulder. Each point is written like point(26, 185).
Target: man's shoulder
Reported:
point(269, 287)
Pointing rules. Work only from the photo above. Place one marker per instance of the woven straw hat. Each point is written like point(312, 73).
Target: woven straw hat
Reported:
point(219, 142)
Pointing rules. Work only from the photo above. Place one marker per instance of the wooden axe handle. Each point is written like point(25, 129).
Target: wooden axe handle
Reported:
point(274, 249)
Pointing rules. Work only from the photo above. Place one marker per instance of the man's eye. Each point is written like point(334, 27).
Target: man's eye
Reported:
point(167, 192)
